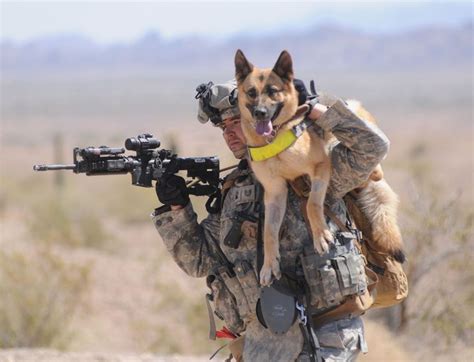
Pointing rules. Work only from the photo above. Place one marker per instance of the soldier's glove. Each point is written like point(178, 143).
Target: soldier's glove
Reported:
point(171, 190)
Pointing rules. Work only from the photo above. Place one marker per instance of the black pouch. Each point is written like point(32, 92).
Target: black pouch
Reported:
point(276, 310)
point(232, 239)
point(234, 235)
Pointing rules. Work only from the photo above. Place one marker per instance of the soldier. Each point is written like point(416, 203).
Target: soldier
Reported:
point(281, 322)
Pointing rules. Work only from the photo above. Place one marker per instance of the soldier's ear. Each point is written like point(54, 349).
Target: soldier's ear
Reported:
point(284, 66)
point(242, 66)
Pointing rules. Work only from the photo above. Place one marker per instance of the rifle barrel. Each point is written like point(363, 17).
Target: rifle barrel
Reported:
point(53, 167)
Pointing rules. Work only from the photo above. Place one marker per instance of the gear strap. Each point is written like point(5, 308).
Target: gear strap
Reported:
point(212, 322)
point(310, 335)
point(336, 220)
point(261, 216)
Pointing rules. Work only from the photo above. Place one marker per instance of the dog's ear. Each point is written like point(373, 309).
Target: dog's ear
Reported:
point(284, 66)
point(242, 66)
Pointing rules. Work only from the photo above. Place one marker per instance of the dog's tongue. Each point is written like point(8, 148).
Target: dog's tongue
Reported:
point(264, 128)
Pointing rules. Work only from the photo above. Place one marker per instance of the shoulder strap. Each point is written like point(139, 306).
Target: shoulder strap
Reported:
point(261, 216)
point(335, 219)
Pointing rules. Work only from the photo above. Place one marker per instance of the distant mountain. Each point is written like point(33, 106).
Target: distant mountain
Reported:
point(333, 47)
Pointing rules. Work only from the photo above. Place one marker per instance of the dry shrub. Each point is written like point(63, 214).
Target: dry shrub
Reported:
point(128, 203)
point(63, 218)
point(188, 334)
point(437, 227)
point(383, 345)
point(40, 293)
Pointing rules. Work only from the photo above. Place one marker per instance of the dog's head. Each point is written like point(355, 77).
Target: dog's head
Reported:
point(267, 97)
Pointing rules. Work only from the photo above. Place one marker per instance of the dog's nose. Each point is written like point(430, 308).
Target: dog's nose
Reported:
point(260, 113)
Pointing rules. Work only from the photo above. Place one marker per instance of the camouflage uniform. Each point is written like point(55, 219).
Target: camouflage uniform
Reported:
point(360, 147)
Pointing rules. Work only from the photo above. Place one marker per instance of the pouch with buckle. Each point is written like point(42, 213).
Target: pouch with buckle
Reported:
point(335, 275)
point(248, 282)
point(225, 307)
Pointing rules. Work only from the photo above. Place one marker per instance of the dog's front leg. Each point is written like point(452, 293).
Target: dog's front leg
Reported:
point(322, 236)
point(275, 206)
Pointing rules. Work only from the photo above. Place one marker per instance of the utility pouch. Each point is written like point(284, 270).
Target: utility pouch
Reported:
point(234, 286)
point(353, 305)
point(248, 281)
point(225, 307)
point(335, 275)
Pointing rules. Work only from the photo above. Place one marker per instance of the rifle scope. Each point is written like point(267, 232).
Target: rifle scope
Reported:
point(142, 143)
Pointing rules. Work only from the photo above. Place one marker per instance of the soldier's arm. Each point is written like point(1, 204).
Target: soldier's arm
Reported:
point(189, 243)
point(362, 146)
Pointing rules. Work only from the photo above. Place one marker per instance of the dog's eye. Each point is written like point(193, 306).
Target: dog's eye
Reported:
point(271, 91)
point(252, 93)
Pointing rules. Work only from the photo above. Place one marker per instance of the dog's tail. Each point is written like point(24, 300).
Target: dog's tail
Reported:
point(379, 204)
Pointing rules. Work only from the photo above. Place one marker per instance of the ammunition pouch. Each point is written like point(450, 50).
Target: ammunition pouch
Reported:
point(353, 305)
point(336, 275)
point(243, 286)
point(225, 307)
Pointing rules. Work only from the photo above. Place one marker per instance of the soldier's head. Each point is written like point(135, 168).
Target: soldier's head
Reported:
point(218, 104)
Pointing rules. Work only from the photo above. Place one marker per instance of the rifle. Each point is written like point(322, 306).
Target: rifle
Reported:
point(147, 165)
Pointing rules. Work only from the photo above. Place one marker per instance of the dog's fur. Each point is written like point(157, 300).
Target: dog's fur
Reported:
point(269, 94)
point(374, 205)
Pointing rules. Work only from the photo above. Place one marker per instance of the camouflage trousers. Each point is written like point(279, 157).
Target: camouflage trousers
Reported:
point(341, 340)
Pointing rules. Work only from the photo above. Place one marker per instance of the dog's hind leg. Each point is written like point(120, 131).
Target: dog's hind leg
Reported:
point(322, 236)
point(275, 206)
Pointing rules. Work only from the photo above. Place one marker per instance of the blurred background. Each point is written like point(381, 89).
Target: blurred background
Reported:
point(82, 269)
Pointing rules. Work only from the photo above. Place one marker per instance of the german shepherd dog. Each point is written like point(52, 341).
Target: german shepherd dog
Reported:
point(268, 103)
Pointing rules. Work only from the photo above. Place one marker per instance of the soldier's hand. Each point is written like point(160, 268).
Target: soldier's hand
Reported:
point(317, 111)
point(171, 190)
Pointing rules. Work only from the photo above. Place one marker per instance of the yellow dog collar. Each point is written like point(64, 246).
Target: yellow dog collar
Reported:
point(281, 142)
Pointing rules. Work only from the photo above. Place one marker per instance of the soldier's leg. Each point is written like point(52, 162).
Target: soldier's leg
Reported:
point(342, 340)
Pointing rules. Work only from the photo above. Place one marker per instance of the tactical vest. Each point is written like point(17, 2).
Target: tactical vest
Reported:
point(330, 280)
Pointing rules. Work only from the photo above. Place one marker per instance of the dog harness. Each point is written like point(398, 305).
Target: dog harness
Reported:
point(282, 141)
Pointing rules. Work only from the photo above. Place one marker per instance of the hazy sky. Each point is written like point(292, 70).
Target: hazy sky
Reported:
point(112, 21)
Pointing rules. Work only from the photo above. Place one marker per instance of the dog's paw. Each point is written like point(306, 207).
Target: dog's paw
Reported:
point(328, 236)
point(269, 269)
point(322, 241)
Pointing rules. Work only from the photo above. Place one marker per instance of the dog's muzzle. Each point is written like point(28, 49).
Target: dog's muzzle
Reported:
point(260, 113)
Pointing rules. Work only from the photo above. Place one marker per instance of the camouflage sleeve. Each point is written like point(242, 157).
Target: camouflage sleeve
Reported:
point(189, 243)
point(361, 147)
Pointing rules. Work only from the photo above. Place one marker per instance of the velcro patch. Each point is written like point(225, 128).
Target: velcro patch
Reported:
point(244, 194)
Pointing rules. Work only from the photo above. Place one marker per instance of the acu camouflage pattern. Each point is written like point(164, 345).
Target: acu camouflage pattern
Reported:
point(360, 147)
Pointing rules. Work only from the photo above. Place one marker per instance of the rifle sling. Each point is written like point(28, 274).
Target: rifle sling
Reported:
point(335, 219)
point(260, 231)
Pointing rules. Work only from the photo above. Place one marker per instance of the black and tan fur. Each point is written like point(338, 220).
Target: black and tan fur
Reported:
point(270, 93)
point(374, 205)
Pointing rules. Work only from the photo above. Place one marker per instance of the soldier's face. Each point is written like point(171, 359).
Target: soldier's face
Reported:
point(234, 137)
